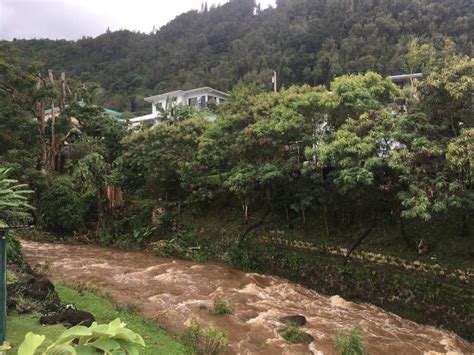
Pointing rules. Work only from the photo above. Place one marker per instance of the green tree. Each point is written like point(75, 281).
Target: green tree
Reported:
point(90, 175)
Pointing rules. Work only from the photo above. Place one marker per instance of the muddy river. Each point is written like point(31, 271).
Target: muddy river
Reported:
point(172, 291)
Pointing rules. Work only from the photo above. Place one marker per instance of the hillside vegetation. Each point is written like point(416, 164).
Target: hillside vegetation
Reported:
point(305, 41)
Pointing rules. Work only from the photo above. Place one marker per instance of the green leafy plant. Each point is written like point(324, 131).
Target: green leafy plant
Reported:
point(112, 338)
point(14, 204)
point(220, 307)
point(5, 346)
point(351, 344)
point(13, 249)
point(214, 341)
point(62, 210)
point(293, 335)
point(207, 340)
point(11, 277)
point(167, 248)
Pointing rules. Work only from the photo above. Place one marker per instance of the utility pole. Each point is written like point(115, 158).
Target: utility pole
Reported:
point(274, 81)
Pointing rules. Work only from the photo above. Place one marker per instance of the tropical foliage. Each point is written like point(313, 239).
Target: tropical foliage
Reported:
point(14, 206)
point(112, 338)
point(305, 41)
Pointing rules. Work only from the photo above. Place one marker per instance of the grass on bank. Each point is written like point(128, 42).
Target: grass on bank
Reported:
point(156, 340)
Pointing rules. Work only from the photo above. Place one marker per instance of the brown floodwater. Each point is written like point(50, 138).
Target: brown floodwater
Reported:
point(172, 291)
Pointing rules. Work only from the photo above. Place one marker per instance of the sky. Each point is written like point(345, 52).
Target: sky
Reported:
point(73, 19)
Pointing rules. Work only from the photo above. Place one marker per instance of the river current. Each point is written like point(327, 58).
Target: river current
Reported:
point(172, 291)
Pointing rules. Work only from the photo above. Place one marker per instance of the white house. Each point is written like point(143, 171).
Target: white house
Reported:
point(198, 98)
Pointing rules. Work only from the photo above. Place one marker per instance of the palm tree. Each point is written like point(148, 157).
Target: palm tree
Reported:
point(14, 205)
point(173, 112)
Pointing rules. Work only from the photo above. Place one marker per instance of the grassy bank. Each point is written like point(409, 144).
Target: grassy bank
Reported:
point(156, 339)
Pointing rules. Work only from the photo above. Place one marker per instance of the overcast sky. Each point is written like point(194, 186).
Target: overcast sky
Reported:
point(72, 19)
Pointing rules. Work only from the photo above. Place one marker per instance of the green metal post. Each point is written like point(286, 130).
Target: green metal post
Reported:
point(3, 284)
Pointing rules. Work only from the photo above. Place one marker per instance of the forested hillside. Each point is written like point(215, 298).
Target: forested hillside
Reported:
point(306, 41)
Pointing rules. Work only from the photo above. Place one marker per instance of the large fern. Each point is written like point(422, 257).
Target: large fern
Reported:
point(14, 206)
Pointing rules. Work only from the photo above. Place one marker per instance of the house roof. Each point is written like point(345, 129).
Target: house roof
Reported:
point(82, 104)
point(405, 77)
point(193, 92)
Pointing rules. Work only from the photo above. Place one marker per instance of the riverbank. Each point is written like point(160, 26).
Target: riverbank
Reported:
point(156, 339)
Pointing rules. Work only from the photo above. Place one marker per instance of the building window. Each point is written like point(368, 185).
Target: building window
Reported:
point(202, 102)
point(193, 101)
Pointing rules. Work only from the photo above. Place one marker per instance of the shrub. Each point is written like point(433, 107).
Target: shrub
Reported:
point(242, 257)
point(220, 307)
point(62, 210)
point(14, 253)
point(112, 338)
point(214, 341)
point(351, 344)
point(293, 335)
point(192, 334)
point(11, 277)
point(176, 247)
point(208, 340)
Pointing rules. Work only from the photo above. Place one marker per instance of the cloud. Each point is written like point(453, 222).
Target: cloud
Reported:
point(47, 19)
point(73, 19)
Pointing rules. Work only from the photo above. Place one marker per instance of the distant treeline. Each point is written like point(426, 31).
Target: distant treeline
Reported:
point(305, 41)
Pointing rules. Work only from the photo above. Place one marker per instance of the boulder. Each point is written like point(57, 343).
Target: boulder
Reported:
point(307, 338)
point(294, 320)
point(69, 316)
point(30, 292)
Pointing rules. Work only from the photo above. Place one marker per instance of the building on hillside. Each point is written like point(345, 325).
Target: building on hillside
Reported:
point(48, 113)
point(405, 79)
point(199, 98)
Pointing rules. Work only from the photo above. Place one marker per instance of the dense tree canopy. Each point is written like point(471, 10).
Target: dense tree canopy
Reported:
point(337, 133)
point(305, 41)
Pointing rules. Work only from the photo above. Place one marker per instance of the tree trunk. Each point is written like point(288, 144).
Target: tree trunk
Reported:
point(253, 226)
point(325, 221)
point(39, 112)
point(360, 240)
point(465, 223)
point(100, 210)
point(402, 231)
point(42, 135)
point(52, 159)
point(62, 102)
